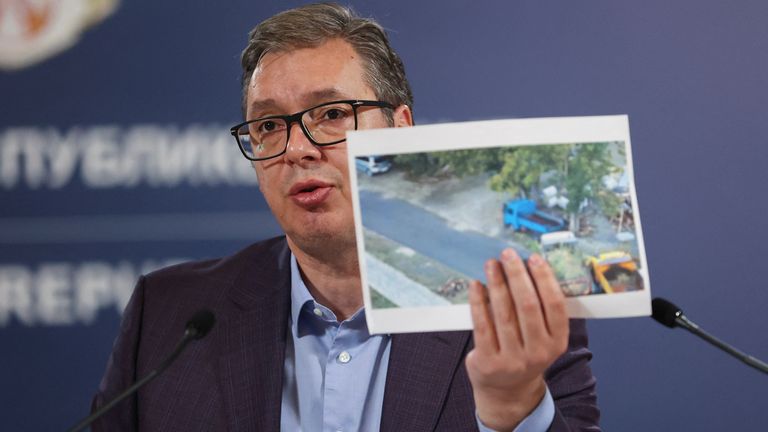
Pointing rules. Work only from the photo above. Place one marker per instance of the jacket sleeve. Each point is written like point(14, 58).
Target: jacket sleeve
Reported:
point(121, 370)
point(572, 385)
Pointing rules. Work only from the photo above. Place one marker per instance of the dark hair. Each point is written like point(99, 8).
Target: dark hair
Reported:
point(312, 25)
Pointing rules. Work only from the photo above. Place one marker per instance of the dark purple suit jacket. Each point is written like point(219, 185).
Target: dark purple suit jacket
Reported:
point(232, 379)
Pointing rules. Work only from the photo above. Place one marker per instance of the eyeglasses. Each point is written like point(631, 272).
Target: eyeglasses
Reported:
point(324, 124)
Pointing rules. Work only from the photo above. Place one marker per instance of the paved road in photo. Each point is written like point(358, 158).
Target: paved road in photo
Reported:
point(430, 235)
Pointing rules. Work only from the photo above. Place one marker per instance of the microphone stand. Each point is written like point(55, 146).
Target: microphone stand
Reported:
point(682, 321)
point(197, 328)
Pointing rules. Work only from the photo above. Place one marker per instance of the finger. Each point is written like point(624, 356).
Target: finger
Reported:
point(533, 330)
point(551, 297)
point(483, 331)
point(502, 307)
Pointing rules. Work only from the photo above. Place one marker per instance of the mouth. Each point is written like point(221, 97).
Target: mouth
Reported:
point(310, 193)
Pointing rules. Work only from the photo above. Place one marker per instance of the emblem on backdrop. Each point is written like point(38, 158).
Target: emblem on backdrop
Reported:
point(34, 30)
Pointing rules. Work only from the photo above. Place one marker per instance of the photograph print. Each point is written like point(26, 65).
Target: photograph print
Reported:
point(430, 219)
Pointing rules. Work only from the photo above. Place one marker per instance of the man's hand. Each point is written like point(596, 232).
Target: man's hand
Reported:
point(520, 328)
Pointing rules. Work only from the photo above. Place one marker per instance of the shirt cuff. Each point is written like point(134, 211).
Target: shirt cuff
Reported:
point(538, 420)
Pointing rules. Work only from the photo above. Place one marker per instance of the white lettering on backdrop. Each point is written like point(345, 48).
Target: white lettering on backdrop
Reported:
point(60, 293)
point(111, 157)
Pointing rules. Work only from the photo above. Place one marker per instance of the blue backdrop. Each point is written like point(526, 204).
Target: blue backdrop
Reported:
point(115, 159)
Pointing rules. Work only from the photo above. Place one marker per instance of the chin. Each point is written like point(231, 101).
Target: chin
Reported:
point(324, 231)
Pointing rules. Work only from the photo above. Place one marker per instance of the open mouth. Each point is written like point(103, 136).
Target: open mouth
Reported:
point(308, 187)
point(311, 193)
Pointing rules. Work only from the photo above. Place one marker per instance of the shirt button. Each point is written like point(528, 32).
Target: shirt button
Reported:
point(344, 357)
point(318, 312)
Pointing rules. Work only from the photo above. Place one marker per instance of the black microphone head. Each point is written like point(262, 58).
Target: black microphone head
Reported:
point(201, 323)
point(665, 312)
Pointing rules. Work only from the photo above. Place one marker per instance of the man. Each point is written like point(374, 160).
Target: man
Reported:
point(290, 350)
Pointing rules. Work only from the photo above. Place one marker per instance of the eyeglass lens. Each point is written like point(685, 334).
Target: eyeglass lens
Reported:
point(325, 125)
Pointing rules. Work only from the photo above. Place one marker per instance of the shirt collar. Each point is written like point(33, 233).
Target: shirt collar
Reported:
point(302, 300)
point(300, 295)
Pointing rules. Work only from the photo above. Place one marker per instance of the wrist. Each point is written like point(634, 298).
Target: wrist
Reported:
point(503, 411)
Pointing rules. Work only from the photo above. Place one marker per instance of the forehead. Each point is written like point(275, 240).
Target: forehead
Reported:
point(292, 80)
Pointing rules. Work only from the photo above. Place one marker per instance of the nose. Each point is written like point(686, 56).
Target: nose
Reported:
point(299, 149)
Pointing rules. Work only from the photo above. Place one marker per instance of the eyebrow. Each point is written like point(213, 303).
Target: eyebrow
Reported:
point(258, 106)
point(315, 97)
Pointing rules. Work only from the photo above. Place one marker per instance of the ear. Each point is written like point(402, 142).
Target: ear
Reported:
point(402, 116)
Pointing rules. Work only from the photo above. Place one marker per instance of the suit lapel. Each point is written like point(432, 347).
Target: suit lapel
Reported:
point(251, 366)
point(421, 368)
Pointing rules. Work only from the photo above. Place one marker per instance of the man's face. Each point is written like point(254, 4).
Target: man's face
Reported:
point(307, 188)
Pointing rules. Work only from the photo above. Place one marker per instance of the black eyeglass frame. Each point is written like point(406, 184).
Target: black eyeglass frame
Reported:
point(296, 118)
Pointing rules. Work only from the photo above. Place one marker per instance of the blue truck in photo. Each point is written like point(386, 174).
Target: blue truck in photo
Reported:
point(522, 215)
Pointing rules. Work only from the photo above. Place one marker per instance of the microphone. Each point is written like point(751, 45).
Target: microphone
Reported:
point(666, 313)
point(197, 327)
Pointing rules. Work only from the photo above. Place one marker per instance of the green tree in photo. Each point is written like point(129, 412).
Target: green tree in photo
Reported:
point(459, 163)
point(472, 161)
point(418, 164)
point(586, 166)
point(523, 167)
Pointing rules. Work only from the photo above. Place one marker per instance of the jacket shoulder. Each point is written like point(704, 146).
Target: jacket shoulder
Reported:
point(265, 255)
point(244, 277)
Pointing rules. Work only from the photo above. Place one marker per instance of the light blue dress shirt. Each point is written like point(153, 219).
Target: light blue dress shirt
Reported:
point(334, 373)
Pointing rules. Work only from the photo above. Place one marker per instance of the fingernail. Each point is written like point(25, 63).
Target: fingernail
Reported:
point(535, 260)
point(489, 265)
point(477, 288)
point(508, 254)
